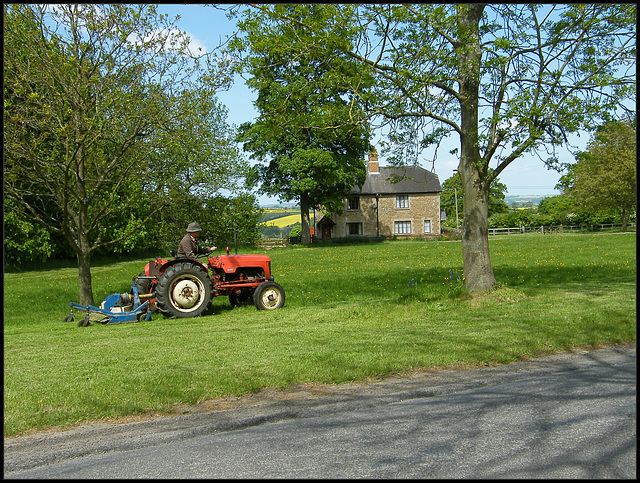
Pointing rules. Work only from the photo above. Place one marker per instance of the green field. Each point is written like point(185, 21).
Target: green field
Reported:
point(352, 313)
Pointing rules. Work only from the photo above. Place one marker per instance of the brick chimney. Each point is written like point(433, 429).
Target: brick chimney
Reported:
point(373, 162)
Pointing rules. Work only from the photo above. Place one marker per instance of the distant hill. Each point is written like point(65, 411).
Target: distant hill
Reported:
point(283, 206)
point(521, 199)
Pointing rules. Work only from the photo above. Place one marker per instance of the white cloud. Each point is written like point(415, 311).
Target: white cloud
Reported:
point(174, 40)
point(196, 47)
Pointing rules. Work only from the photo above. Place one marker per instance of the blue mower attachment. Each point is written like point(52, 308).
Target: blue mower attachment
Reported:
point(115, 308)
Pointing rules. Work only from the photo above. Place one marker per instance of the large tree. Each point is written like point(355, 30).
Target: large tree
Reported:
point(506, 79)
point(98, 100)
point(604, 177)
point(306, 146)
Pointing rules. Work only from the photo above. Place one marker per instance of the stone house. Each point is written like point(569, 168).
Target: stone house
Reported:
point(393, 202)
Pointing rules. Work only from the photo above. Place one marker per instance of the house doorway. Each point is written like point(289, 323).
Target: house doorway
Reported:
point(325, 226)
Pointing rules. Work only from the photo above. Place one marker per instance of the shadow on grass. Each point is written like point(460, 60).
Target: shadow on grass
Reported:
point(343, 241)
point(96, 261)
point(551, 276)
point(412, 284)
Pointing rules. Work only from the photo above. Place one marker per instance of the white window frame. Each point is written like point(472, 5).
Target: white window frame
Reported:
point(402, 202)
point(402, 227)
point(427, 223)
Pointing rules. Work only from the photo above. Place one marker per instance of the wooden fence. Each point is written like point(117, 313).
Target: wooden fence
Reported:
point(269, 243)
point(559, 229)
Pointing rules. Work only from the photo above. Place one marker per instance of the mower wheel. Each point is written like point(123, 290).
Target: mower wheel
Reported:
point(183, 290)
point(84, 322)
point(68, 318)
point(268, 296)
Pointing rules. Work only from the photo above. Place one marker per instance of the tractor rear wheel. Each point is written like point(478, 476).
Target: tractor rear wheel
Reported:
point(268, 296)
point(143, 285)
point(183, 290)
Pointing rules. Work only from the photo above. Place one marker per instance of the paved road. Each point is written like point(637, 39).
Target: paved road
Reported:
point(562, 416)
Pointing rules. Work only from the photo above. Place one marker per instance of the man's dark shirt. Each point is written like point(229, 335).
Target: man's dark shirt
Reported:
point(188, 248)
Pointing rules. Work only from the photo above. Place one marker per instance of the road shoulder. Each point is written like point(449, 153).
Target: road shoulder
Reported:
point(300, 401)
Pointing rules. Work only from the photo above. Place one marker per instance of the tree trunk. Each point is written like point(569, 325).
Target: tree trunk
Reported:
point(82, 247)
point(625, 218)
point(477, 268)
point(80, 244)
point(83, 251)
point(84, 279)
point(305, 238)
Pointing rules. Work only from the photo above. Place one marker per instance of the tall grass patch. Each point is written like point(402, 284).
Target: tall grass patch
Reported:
point(352, 313)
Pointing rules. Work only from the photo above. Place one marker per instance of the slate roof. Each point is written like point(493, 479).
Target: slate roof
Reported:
point(410, 180)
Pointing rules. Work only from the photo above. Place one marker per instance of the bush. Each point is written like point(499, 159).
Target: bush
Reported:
point(296, 231)
point(24, 242)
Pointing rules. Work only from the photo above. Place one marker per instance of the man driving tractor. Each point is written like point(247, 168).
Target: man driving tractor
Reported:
point(188, 246)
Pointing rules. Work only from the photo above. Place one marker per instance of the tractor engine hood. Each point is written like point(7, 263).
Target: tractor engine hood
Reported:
point(230, 263)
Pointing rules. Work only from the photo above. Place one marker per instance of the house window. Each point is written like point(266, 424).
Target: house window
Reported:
point(427, 226)
point(402, 227)
point(402, 201)
point(353, 203)
point(354, 228)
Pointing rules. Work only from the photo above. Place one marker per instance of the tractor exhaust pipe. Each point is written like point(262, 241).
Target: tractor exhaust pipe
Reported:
point(235, 237)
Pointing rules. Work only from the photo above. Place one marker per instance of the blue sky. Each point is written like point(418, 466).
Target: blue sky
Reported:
point(525, 176)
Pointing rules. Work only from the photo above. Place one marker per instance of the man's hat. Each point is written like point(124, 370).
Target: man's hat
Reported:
point(193, 227)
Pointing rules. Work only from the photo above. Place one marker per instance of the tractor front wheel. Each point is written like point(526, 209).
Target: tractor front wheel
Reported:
point(183, 290)
point(268, 296)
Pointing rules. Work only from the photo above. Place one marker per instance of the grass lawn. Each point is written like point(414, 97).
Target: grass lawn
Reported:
point(352, 313)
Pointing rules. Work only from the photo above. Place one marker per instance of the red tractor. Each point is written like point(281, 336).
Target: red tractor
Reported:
point(185, 288)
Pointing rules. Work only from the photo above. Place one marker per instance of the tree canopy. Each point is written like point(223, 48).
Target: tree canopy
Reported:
point(107, 117)
point(507, 79)
point(306, 147)
point(604, 177)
